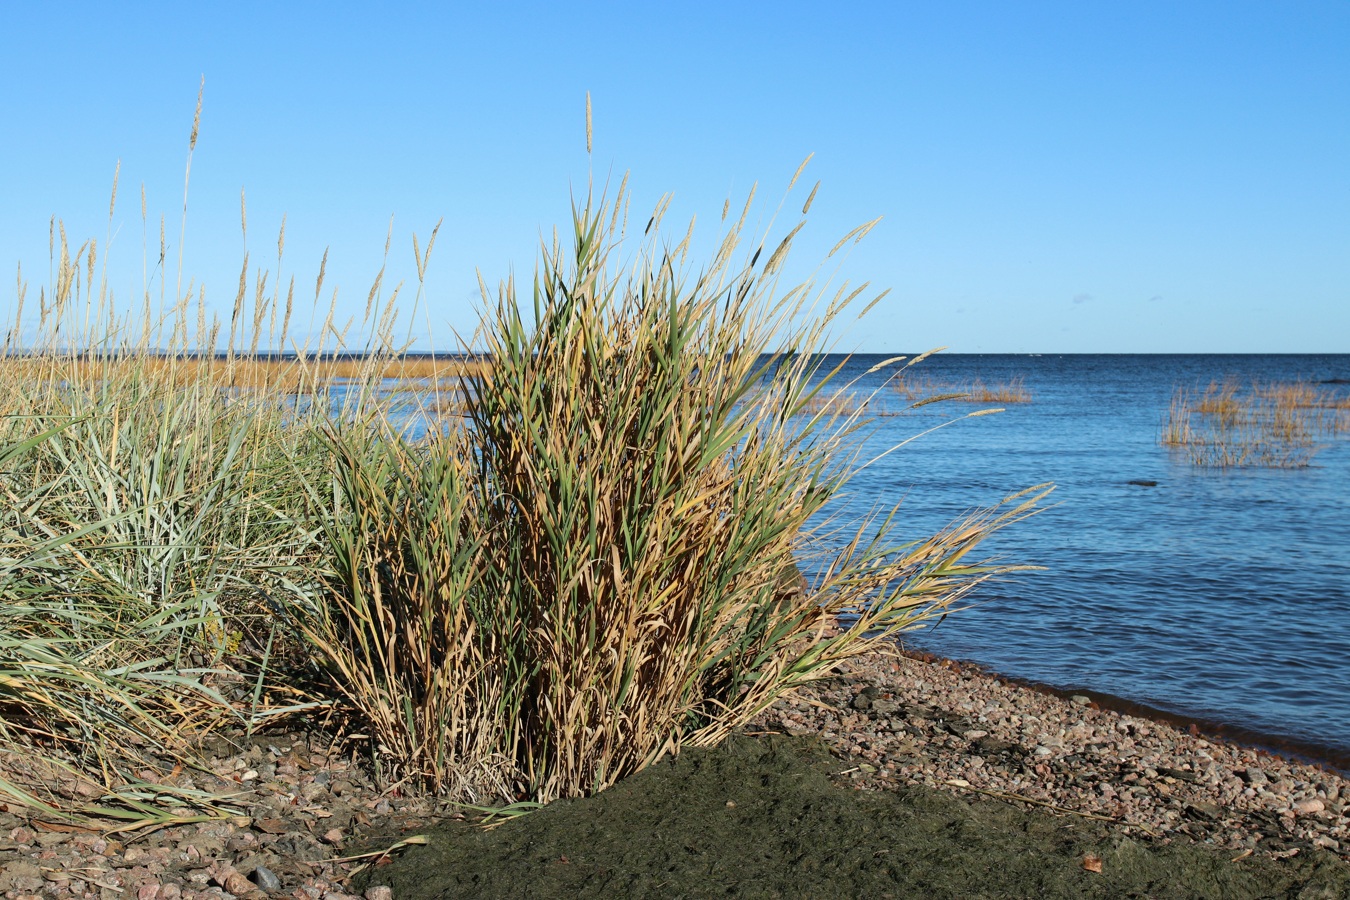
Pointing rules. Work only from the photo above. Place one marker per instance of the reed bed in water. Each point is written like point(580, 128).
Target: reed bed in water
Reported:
point(923, 390)
point(287, 374)
point(1275, 425)
point(598, 566)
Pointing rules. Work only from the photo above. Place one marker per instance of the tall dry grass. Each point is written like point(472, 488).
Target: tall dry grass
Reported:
point(602, 567)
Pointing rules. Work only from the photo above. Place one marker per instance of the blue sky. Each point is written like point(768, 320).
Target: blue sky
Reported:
point(1054, 177)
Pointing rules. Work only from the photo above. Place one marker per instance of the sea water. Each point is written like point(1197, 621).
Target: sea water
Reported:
point(1217, 594)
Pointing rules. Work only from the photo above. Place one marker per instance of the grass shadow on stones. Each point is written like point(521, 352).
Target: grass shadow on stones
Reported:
point(761, 818)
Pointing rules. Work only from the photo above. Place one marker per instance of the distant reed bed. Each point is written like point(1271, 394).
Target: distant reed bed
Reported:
point(1276, 425)
point(287, 374)
point(590, 559)
point(923, 390)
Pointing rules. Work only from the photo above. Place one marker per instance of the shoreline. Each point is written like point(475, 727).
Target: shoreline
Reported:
point(1333, 758)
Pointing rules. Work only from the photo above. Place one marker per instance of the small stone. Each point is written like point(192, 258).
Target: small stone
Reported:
point(1308, 807)
point(333, 836)
point(380, 892)
point(731, 804)
point(21, 875)
point(1253, 776)
point(229, 878)
point(1080, 700)
point(148, 891)
point(265, 878)
point(1203, 812)
point(1043, 751)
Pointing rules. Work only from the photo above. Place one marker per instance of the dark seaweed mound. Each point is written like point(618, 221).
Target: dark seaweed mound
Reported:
point(761, 818)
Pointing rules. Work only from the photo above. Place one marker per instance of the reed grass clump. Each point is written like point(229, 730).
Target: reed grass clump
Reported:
point(603, 567)
point(1275, 425)
point(143, 521)
point(148, 511)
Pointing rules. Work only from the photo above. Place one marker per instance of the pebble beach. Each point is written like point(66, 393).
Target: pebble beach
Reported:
point(309, 816)
point(943, 724)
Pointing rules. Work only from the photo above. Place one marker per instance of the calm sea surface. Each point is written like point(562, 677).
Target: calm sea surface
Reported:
point(1219, 595)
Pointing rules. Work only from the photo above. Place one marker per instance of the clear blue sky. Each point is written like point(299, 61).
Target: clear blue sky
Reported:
point(1054, 177)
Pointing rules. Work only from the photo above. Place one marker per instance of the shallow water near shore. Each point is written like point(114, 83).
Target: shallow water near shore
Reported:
point(1219, 595)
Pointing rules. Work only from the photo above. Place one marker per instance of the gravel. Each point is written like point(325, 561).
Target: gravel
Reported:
point(902, 720)
point(896, 720)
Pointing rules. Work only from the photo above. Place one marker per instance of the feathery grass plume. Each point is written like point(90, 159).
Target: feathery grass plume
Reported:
point(798, 174)
point(14, 338)
point(810, 198)
point(163, 255)
point(187, 176)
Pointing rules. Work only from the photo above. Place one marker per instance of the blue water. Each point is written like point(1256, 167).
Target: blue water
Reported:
point(1222, 595)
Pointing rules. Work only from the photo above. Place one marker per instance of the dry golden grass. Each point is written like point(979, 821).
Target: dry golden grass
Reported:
point(288, 375)
point(592, 575)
